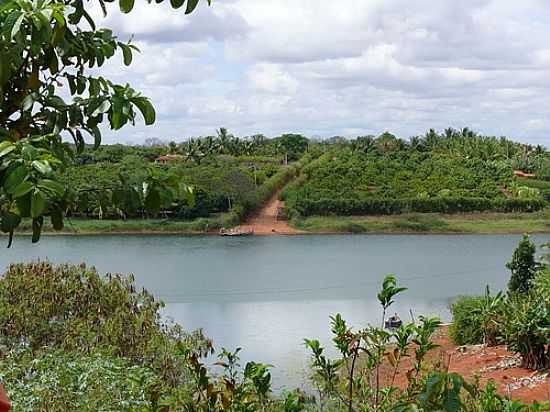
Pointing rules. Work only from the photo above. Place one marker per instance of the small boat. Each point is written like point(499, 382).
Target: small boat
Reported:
point(236, 232)
point(393, 322)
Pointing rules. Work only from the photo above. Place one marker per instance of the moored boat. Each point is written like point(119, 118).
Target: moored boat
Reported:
point(393, 322)
point(236, 232)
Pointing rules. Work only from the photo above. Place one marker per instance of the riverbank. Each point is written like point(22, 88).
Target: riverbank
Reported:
point(495, 364)
point(134, 226)
point(265, 221)
point(267, 225)
point(429, 223)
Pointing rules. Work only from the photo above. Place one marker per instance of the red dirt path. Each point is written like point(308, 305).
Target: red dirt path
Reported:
point(264, 222)
point(494, 363)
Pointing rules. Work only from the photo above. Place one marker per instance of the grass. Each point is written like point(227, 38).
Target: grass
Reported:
point(137, 226)
point(538, 222)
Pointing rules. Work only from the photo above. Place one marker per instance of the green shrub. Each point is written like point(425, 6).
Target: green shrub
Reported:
point(526, 328)
point(372, 206)
point(73, 308)
point(473, 316)
point(67, 381)
point(466, 328)
point(525, 324)
point(523, 266)
point(542, 282)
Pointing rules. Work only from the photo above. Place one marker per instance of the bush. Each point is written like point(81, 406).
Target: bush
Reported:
point(523, 266)
point(73, 308)
point(466, 328)
point(526, 328)
point(63, 381)
point(351, 207)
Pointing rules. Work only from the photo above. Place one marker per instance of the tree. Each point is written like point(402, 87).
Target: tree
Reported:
point(224, 140)
point(293, 145)
point(523, 266)
point(45, 46)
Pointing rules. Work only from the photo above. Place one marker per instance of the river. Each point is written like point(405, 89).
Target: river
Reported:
point(266, 294)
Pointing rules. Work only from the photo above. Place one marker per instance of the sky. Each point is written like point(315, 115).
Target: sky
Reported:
point(338, 68)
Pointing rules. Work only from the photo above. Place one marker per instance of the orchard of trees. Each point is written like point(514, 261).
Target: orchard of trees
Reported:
point(455, 171)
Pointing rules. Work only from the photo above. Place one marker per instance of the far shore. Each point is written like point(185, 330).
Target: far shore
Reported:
point(475, 223)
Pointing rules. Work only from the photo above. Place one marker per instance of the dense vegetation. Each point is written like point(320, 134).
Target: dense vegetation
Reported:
point(74, 340)
point(457, 171)
point(227, 174)
point(226, 177)
point(520, 319)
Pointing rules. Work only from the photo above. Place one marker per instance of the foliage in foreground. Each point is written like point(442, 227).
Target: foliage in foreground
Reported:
point(56, 380)
point(76, 341)
point(73, 308)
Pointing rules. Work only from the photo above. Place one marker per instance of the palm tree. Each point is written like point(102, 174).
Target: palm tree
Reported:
point(209, 145)
point(366, 143)
point(172, 147)
point(416, 143)
point(248, 147)
point(258, 139)
point(194, 151)
point(431, 139)
point(449, 133)
point(224, 140)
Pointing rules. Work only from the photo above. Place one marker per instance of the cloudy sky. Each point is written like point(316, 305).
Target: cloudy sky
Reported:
point(325, 67)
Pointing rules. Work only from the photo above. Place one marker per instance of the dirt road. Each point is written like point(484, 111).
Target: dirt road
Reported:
point(264, 221)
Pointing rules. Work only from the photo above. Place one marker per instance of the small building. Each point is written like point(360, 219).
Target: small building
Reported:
point(169, 158)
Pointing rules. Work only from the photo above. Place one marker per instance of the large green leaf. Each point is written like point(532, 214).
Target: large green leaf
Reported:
point(177, 3)
point(17, 25)
point(23, 189)
point(10, 221)
point(126, 6)
point(15, 177)
point(42, 166)
point(53, 186)
point(126, 54)
point(37, 228)
point(146, 109)
point(38, 203)
point(6, 147)
point(191, 5)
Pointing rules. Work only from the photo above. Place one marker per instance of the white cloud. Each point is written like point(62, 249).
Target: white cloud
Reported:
point(270, 78)
point(322, 67)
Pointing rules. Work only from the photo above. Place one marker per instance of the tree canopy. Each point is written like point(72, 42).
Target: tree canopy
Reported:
point(49, 96)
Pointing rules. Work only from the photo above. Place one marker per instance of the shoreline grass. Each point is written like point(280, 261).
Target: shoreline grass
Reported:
point(415, 223)
point(80, 226)
point(482, 223)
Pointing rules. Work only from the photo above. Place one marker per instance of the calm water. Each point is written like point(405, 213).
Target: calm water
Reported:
point(268, 293)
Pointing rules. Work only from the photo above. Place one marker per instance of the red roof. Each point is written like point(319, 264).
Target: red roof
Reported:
point(169, 158)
